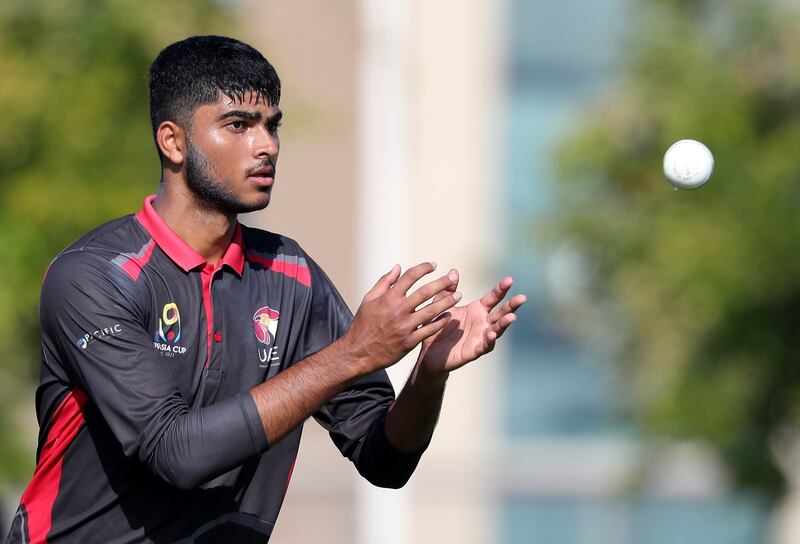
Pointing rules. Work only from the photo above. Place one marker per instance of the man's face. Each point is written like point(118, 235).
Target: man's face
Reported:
point(232, 152)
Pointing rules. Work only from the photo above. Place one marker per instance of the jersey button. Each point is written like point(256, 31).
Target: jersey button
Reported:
point(217, 336)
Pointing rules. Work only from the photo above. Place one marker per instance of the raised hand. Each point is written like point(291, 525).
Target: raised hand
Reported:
point(470, 331)
point(388, 325)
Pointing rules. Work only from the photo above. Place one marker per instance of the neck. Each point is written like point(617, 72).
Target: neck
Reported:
point(208, 232)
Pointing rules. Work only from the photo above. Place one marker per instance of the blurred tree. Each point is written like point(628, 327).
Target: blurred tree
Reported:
point(75, 150)
point(702, 286)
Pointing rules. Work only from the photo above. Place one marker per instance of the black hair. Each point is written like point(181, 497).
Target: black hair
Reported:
point(194, 71)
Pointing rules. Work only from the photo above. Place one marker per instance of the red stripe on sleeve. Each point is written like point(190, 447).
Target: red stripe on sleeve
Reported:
point(40, 496)
point(134, 265)
point(293, 270)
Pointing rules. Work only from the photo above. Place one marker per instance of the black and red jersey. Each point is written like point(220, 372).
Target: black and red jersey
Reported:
point(147, 430)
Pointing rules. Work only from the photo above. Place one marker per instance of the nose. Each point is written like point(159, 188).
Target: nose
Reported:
point(266, 143)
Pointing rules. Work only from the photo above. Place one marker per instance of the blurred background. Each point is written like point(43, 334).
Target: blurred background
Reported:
point(650, 391)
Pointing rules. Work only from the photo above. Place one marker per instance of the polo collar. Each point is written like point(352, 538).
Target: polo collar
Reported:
point(178, 250)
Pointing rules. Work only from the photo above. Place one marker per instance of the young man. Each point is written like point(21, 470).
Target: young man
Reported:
point(182, 351)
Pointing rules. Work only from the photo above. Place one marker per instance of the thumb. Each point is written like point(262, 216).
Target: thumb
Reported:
point(384, 283)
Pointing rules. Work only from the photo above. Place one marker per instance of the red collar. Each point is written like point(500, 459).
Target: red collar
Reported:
point(181, 252)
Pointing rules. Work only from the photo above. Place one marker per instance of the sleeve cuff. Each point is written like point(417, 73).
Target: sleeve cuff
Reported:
point(383, 464)
point(253, 420)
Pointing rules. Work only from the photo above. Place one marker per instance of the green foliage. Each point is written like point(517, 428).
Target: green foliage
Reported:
point(75, 150)
point(706, 283)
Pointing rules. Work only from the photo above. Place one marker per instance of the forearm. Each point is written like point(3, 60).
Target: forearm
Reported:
point(293, 395)
point(386, 327)
point(412, 418)
point(196, 446)
point(193, 446)
point(201, 444)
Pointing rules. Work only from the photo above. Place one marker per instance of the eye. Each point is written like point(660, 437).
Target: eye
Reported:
point(237, 125)
point(273, 127)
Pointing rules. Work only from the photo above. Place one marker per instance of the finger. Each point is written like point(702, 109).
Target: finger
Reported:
point(429, 329)
point(503, 324)
point(508, 307)
point(450, 288)
point(441, 286)
point(412, 275)
point(491, 334)
point(489, 339)
point(497, 293)
point(384, 283)
point(487, 344)
point(423, 315)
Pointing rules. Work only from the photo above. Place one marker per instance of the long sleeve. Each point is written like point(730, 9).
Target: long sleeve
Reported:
point(91, 315)
point(354, 418)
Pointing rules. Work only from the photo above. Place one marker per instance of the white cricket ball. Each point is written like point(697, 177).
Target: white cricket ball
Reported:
point(688, 164)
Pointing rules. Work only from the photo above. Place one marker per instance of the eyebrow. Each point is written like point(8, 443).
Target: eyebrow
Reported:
point(249, 115)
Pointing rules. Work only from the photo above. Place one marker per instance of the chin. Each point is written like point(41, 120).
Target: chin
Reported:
point(256, 204)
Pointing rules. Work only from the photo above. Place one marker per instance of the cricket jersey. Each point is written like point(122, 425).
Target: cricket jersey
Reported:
point(147, 430)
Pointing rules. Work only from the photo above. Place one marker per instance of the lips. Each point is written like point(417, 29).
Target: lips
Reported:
point(262, 176)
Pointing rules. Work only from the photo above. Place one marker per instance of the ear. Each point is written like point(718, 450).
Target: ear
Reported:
point(171, 140)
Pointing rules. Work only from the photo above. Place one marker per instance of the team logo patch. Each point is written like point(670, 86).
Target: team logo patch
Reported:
point(265, 324)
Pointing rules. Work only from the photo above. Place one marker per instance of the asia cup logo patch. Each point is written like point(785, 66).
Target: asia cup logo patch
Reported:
point(265, 324)
point(168, 334)
point(169, 326)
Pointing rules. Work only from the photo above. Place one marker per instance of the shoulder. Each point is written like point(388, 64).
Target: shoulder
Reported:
point(121, 235)
point(98, 256)
point(124, 236)
point(278, 253)
point(259, 241)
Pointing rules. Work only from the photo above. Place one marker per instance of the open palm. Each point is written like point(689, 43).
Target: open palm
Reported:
point(472, 330)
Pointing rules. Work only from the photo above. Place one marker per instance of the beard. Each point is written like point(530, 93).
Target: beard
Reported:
point(203, 181)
